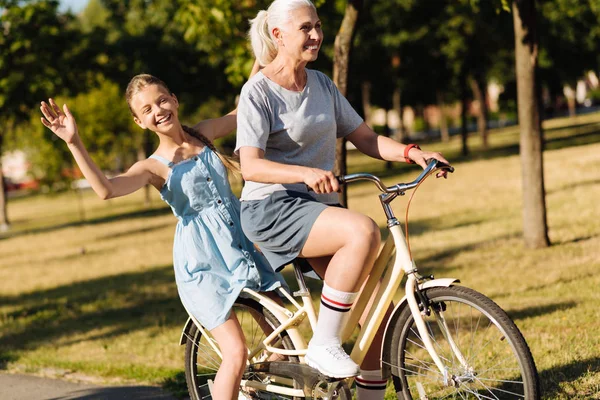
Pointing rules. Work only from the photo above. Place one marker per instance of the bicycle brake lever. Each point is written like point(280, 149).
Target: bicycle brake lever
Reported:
point(440, 165)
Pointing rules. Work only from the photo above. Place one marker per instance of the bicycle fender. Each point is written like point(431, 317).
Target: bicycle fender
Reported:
point(386, 353)
point(186, 331)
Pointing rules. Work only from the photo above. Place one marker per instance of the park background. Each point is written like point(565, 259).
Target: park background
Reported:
point(86, 287)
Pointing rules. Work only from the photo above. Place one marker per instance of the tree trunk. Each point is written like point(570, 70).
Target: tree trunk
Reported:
point(569, 93)
point(401, 134)
point(342, 46)
point(444, 133)
point(479, 94)
point(535, 229)
point(4, 223)
point(366, 101)
point(464, 130)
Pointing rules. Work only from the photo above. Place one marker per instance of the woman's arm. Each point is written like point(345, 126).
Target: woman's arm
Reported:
point(64, 126)
point(257, 169)
point(384, 148)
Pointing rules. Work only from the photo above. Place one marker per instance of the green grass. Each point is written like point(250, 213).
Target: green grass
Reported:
point(94, 294)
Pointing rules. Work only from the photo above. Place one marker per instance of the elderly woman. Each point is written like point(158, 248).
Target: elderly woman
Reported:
point(288, 120)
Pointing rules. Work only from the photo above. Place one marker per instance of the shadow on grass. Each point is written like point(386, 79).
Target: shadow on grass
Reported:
point(574, 185)
point(574, 277)
point(5, 358)
point(531, 312)
point(137, 231)
point(578, 239)
point(574, 126)
point(589, 135)
point(437, 260)
point(147, 213)
point(176, 385)
point(97, 308)
point(83, 252)
point(582, 134)
point(559, 382)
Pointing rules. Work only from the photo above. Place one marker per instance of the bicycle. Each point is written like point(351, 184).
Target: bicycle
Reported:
point(441, 341)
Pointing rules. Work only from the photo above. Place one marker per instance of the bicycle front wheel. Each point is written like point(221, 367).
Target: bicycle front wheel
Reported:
point(484, 353)
point(202, 354)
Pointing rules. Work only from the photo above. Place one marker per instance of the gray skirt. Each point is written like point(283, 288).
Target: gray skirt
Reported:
point(280, 224)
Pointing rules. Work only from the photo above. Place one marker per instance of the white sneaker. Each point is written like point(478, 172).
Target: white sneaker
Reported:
point(331, 360)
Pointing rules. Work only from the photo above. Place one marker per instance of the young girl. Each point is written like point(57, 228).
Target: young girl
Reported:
point(212, 258)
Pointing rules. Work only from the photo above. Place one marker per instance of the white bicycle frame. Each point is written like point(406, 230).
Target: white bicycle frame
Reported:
point(384, 295)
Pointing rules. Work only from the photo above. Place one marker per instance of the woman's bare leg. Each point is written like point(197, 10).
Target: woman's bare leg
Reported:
point(352, 239)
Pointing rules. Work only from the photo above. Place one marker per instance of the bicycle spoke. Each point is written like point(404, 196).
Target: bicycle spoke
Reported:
point(422, 346)
point(491, 367)
point(505, 391)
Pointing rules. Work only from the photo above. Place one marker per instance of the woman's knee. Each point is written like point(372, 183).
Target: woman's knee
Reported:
point(366, 231)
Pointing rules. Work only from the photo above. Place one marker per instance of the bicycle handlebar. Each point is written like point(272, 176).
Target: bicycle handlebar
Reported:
point(400, 187)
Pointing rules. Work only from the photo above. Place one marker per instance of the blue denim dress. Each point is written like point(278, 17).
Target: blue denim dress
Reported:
point(212, 258)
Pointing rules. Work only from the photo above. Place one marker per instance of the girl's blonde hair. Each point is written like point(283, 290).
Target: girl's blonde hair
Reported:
point(277, 15)
point(139, 82)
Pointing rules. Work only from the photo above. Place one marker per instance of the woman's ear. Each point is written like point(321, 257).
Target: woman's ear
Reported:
point(176, 100)
point(278, 35)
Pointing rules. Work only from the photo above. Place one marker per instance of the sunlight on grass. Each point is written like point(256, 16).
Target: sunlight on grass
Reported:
point(87, 286)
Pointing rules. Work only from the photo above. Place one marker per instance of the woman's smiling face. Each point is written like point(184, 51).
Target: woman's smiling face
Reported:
point(155, 108)
point(302, 36)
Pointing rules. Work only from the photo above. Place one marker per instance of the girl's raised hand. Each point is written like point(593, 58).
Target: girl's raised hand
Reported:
point(61, 122)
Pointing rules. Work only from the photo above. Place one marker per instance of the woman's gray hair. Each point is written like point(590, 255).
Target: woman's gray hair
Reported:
point(277, 15)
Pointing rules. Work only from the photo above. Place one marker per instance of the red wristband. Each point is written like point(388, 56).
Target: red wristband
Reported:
point(407, 149)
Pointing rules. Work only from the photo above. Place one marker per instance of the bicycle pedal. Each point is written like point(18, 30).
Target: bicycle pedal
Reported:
point(322, 377)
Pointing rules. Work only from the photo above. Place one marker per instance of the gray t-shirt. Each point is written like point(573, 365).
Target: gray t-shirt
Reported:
point(294, 128)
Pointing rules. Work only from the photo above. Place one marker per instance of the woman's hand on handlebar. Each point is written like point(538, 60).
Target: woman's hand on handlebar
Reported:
point(321, 181)
point(420, 157)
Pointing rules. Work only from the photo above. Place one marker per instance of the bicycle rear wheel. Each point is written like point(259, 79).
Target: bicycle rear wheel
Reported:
point(499, 362)
point(202, 359)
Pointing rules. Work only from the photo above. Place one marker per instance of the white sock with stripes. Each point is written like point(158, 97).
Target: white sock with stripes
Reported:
point(333, 314)
point(370, 385)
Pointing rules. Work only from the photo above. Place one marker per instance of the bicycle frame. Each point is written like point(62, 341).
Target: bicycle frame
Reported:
point(383, 298)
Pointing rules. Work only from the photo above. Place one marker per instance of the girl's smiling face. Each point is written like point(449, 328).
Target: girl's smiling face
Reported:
point(155, 108)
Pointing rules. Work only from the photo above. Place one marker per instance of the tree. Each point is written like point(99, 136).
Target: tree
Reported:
point(569, 44)
point(219, 29)
point(535, 230)
point(36, 48)
point(342, 46)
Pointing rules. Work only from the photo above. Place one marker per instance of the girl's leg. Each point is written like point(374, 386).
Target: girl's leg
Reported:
point(232, 343)
point(352, 241)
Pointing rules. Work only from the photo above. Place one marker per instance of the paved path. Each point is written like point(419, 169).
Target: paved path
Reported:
point(27, 387)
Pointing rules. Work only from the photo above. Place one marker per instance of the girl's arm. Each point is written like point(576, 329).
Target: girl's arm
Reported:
point(64, 126)
point(218, 127)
